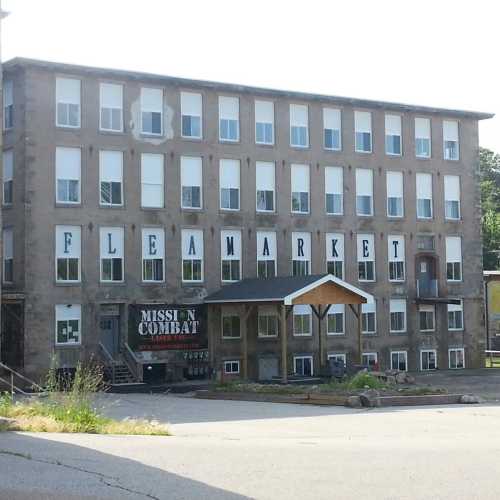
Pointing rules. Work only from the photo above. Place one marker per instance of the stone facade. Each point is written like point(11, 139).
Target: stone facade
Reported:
point(34, 213)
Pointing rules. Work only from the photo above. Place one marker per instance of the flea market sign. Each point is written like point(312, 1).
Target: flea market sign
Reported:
point(155, 327)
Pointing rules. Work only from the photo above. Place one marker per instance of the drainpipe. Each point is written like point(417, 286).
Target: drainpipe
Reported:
point(487, 315)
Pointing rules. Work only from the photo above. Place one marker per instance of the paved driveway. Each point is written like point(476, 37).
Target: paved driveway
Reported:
point(234, 450)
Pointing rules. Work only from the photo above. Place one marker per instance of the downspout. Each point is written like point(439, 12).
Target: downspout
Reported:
point(487, 315)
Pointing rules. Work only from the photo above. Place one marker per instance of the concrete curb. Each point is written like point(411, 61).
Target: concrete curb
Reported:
point(330, 400)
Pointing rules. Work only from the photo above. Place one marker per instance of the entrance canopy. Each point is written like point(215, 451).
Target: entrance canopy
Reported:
point(322, 289)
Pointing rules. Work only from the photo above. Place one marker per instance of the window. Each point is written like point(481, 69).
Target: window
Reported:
point(369, 318)
point(369, 359)
point(332, 135)
point(334, 190)
point(299, 126)
point(393, 135)
point(339, 357)
point(192, 255)
point(191, 181)
point(300, 189)
point(229, 119)
point(68, 171)
point(266, 254)
point(301, 254)
point(335, 320)
point(111, 115)
point(399, 360)
point(231, 367)
point(335, 254)
point(364, 191)
point(230, 242)
point(428, 359)
point(426, 318)
point(302, 320)
point(153, 254)
point(395, 200)
point(152, 111)
point(450, 140)
point(8, 104)
point(265, 186)
point(456, 357)
point(111, 250)
point(454, 258)
point(424, 196)
point(67, 102)
point(267, 321)
point(8, 176)
point(192, 112)
point(152, 190)
point(111, 178)
point(452, 197)
point(229, 180)
point(230, 326)
point(68, 319)
point(264, 122)
point(68, 253)
point(366, 257)
point(396, 252)
point(422, 138)
point(303, 365)
point(456, 316)
point(363, 131)
point(8, 255)
point(397, 309)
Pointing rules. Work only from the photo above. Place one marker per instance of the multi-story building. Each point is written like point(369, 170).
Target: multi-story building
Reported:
point(125, 188)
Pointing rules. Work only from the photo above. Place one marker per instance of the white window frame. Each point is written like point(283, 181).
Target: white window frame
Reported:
point(102, 154)
point(265, 165)
point(424, 175)
point(294, 108)
point(368, 355)
point(102, 87)
point(405, 356)
point(393, 174)
point(428, 351)
point(144, 197)
point(102, 230)
point(336, 309)
point(185, 162)
point(308, 356)
point(396, 129)
point(231, 364)
point(456, 349)
point(270, 104)
point(330, 117)
point(448, 180)
point(187, 94)
point(78, 230)
point(361, 129)
point(272, 244)
point(302, 310)
point(235, 234)
point(226, 163)
point(455, 308)
point(361, 258)
point(8, 105)
point(8, 177)
point(452, 259)
point(333, 177)
point(73, 308)
point(361, 191)
point(427, 308)
point(340, 237)
point(300, 169)
point(369, 309)
point(7, 253)
point(397, 304)
point(159, 91)
point(337, 356)
point(161, 233)
point(223, 116)
point(307, 248)
point(428, 137)
point(79, 178)
point(59, 80)
point(446, 138)
point(230, 313)
point(267, 312)
point(190, 232)
point(391, 238)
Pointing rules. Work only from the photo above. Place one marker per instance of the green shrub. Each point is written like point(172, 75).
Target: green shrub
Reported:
point(364, 380)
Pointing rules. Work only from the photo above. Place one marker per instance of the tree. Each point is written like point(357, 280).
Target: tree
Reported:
point(489, 165)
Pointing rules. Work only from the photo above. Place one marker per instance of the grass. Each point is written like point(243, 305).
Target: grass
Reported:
point(492, 362)
point(68, 408)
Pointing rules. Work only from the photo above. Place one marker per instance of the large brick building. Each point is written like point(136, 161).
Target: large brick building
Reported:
point(123, 188)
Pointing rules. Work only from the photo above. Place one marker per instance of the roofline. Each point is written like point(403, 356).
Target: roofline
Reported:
point(236, 88)
point(219, 301)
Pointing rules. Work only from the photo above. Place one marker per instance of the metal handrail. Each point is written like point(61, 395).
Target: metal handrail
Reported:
point(132, 362)
point(109, 360)
point(13, 374)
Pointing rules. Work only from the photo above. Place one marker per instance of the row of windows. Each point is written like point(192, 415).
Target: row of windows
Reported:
point(68, 185)
point(152, 103)
point(268, 320)
point(68, 251)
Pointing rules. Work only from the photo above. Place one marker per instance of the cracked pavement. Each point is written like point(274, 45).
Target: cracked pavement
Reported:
point(235, 450)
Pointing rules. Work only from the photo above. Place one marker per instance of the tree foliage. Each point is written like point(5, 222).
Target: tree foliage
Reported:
point(489, 163)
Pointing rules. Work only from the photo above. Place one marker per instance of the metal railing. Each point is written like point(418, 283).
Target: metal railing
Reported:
point(14, 384)
point(133, 363)
point(109, 362)
point(427, 288)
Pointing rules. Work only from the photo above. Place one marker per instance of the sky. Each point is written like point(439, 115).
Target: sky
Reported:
point(440, 53)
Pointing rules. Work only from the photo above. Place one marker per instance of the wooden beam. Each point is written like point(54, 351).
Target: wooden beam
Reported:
point(353, 310)
point(244, 342)
point(320, 341)
point(284, 348)
point(360, 333)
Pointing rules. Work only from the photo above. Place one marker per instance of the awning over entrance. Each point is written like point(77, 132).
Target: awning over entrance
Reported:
point(319, 289)
point(285, 292)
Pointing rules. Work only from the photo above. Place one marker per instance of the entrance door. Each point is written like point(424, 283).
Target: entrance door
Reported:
point(426, 275)
point(110, 334)
point(12, 335)
point(268, 368)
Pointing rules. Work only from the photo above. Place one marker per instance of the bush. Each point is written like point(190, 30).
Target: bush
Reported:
point(364, 380)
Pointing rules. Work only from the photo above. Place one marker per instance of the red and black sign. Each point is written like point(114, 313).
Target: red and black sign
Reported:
point(157, 327)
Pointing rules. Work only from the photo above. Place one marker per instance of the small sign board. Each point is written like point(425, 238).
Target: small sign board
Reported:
point(157, 327)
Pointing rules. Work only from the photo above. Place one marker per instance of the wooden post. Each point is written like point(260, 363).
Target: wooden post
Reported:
point(320, 342)
point(244, 342)
point(360, 330)
point(284, 353)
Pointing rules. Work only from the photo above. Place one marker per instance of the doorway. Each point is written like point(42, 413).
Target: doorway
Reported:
point(110, 334)
point(12, 335)
point(426, 276)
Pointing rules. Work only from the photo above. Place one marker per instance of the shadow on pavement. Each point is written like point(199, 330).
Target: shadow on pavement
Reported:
point(39, 468)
